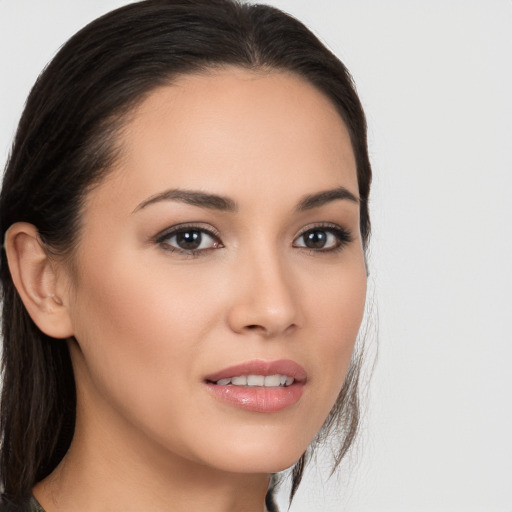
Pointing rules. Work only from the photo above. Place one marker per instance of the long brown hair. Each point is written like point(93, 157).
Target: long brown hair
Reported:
point(65, 144)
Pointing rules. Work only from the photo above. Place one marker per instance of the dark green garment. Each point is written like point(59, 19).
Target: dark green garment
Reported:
point(28, 505)
point(34, 506)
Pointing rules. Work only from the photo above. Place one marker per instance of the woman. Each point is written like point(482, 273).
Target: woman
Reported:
point(185, 214)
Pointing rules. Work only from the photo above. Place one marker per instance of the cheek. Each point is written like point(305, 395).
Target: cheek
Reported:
point(137, 300)
point(335, 313)
point(138, 330)
point(142, 334)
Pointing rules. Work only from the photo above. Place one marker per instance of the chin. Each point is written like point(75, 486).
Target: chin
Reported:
point(268, 455)
point(263, 464)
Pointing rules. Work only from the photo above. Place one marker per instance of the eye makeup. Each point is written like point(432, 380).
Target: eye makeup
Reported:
point(324, 237)
point(194, 239)
point(189, 239)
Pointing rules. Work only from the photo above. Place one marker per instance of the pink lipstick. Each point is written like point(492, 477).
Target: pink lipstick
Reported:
point(259, 386)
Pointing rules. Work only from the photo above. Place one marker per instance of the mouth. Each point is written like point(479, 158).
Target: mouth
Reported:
point(267, 381)
point(259, 386)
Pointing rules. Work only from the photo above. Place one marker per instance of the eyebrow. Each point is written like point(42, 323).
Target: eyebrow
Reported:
point(321, 198)
point(192, 197)
point(225, 204)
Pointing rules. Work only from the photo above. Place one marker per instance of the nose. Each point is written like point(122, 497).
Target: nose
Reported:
point(266, 299)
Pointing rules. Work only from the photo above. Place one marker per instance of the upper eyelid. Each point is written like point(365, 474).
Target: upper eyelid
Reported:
point(171, 232)
point(323, 225)
point(166, 233)
point(343, 235)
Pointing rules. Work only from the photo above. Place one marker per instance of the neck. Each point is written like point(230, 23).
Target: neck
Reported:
point(104, 481)
point(112, 469)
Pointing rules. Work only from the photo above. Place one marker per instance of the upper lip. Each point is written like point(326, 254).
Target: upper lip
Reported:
point(260, 367)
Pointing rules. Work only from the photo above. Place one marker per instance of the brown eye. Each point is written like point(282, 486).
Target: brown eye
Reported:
point(189, 239)
point(323, 238)
point(316, 239)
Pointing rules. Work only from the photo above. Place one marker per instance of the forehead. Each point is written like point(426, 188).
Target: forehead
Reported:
point(235, 132)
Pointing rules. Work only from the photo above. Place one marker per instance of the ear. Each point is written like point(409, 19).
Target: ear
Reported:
point(35, 277)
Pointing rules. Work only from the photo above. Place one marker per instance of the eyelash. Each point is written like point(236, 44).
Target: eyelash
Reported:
point(162, 239)
point(343, 237)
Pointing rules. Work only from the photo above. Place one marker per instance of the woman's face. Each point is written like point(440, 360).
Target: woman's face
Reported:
point(227, 235)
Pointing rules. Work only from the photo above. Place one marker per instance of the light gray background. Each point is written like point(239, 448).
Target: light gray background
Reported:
point(436, 81)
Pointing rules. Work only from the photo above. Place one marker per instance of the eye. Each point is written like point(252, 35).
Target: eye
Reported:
point(323, 238)
point(189, 239)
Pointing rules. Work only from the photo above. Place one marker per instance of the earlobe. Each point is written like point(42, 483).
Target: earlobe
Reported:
point(35, 277)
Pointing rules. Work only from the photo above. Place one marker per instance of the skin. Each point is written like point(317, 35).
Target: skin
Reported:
point(148, 323)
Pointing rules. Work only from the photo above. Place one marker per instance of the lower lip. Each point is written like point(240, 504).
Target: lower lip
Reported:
point(258, 399)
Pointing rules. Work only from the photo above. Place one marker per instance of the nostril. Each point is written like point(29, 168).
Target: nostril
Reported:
point(257, 329)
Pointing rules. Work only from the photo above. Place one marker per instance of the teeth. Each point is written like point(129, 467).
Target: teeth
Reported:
point(255, 380)
point(270, 381)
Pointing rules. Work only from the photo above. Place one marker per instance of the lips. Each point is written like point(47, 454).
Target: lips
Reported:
point(259, 386)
